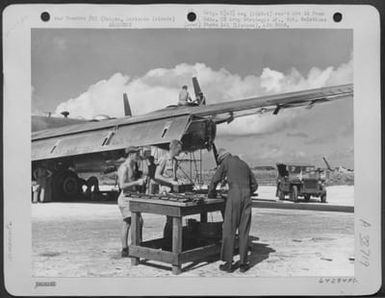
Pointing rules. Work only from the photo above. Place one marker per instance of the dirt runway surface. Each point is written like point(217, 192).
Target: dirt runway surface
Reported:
point(82, 240)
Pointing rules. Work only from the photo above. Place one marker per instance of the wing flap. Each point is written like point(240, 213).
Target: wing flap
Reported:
point(156, 132)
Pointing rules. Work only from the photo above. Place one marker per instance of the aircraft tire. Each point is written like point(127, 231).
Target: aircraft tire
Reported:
point(66, 185)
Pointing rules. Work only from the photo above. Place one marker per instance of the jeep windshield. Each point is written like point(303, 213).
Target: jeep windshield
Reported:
point(299, 169)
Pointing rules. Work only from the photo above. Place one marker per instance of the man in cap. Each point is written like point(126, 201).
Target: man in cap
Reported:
point(242, 184)
point(184, 97)
point(165, 175)
point(128, 183)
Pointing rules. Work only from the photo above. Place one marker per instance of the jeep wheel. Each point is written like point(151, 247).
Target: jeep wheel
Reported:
point(294, 193)
point(307, 197)
point(323, 198)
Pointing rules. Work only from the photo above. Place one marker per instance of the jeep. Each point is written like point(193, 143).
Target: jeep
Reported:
point(300, 181)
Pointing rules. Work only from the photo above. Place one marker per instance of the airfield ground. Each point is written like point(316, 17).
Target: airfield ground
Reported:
point(82, 240)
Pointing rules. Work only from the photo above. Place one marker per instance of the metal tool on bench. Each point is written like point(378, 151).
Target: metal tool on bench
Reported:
point(182, 188)
point(174, 197)
point(184, 197)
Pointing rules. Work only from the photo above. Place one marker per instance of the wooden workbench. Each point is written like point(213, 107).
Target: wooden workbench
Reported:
point(153, 249)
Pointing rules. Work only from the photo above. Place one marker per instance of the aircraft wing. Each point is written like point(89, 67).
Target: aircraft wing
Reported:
point(160, 127)
point(94, 137)
point(223, 112)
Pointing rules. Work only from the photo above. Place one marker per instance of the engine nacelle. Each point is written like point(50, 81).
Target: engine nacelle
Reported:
point(199, 135)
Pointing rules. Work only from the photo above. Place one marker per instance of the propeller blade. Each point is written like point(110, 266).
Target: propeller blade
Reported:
point(198, 92)
point(127, 108)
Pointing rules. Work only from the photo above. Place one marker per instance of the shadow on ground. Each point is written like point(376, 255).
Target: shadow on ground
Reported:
point(258, 253)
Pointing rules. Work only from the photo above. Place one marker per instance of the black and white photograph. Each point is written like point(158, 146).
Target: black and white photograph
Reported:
point(194, 152)
point(277, 104)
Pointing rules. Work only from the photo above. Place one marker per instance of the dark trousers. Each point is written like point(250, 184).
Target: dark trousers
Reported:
point(237, 216)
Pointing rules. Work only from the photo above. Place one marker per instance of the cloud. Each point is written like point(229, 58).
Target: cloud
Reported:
point(159, 87)
point(272, 80)
point(100, 98)
point(343, 74)
point(260, 125)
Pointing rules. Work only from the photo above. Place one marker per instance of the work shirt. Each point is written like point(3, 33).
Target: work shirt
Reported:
point(237, 172)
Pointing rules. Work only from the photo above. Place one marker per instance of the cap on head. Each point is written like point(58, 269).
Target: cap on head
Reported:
point(132, 149)
point(222, 154)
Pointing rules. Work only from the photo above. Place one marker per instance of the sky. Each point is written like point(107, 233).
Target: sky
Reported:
point(86, 71)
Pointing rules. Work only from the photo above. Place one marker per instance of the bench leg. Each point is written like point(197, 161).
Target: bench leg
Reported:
point(177, 243)
point(135, 234)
